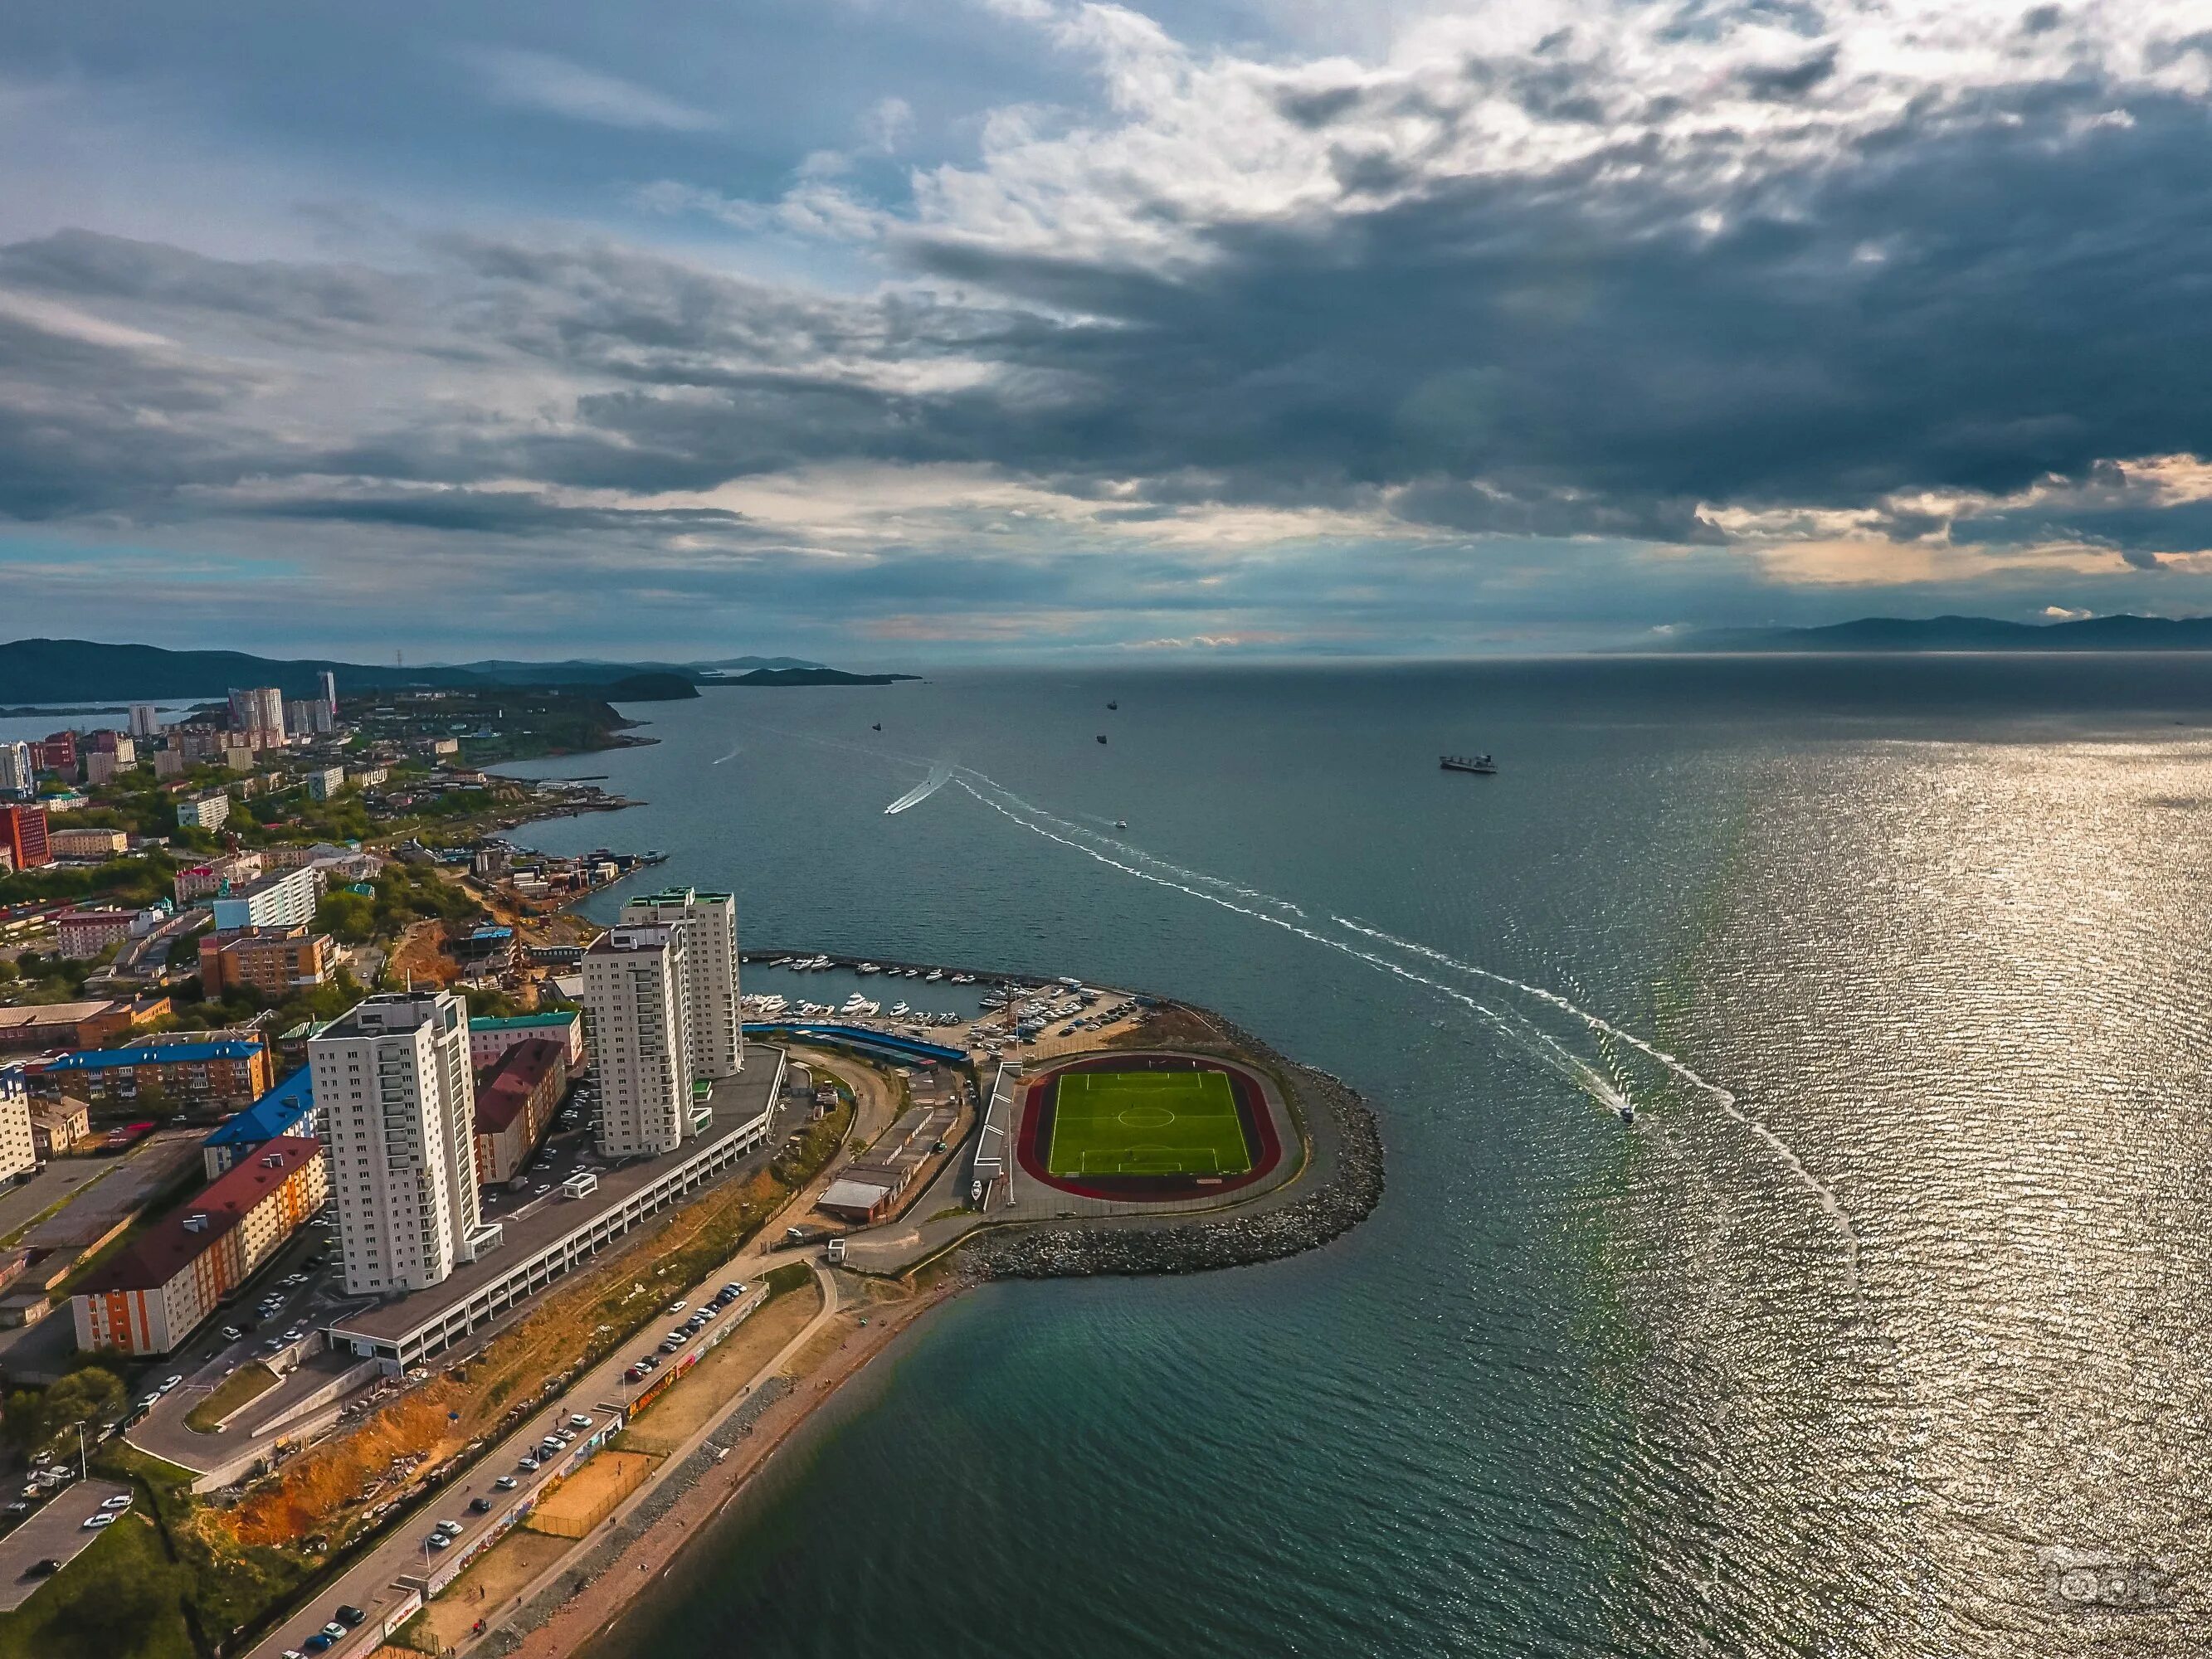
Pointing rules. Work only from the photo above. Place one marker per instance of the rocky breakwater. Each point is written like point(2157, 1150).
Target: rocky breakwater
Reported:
point(1347, 1167)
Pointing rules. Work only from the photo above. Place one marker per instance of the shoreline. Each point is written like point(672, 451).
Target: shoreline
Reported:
point(585, 1605)
point(586, 1599)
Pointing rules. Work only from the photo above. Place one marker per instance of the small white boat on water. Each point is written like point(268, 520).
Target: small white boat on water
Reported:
point(868, 968)
point(935, 975)
point(899, 1011)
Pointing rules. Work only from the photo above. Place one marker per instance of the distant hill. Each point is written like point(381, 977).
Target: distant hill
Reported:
point(1896, 634)
point(810, 676)
point(646, 687)
point(85, 671)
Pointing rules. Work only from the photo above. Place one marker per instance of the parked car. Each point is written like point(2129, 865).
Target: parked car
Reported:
point(45, 1568)
point(105, 1518)
point(528, 1462)
point(451, 1528)
point(506, 1483)
point(438, 1540)
point(335, 1631)
point(231, 1333)
point(634, 1374)
point(118, 1503)
point(578, 1420)
point(168, 1383)
point(318, 1642)
point(675, 1307)
point(352, 1618)
point(480, 1506)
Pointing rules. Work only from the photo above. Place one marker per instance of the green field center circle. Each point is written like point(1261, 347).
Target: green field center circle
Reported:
point(1145, 1117)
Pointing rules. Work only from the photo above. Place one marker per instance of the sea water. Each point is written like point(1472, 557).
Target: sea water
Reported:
point(1882, 1330)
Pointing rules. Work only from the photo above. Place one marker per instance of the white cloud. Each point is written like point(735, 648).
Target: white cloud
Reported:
point(539, 80)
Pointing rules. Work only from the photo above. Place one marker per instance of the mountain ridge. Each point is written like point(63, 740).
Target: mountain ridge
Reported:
point(2120, 632)
point(59, 671)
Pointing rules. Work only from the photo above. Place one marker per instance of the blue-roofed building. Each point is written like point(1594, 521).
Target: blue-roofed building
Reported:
point(286, 1110)
point(230, 1071)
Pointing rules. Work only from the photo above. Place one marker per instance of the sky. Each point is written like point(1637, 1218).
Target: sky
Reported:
point(930, 331)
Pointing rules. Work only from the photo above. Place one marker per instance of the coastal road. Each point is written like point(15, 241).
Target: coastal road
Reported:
point(368, 1583)
point(673, 1465)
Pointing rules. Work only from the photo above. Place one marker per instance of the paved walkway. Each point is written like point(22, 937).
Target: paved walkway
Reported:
point(671, 1465)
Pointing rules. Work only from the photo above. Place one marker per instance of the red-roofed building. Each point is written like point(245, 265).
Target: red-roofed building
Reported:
point(149, 1299)
point(515, 1102)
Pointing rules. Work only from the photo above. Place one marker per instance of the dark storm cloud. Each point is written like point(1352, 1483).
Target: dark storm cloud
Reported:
point(1975, 296)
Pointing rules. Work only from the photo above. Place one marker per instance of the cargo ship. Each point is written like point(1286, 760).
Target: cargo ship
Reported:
point(1468, 763)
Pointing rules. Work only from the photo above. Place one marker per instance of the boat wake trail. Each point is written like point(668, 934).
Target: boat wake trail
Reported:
point(939, 775)
point(1517, 1028)
point(1539, 1044)
point(1783, 1153)
point(732, 755)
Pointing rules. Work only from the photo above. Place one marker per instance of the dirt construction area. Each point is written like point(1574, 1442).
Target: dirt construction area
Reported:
point(708, 1389)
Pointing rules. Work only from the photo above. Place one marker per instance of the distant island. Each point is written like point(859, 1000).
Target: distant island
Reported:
point(808, 676)
point(1902, 634)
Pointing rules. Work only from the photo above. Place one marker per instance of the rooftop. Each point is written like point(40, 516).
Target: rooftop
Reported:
point(275, 1114)
point(50, 1013)
point(172, 1244)
point(523, 1022)
point(506, 1088)
point(168, 1054)
point(534, 1223)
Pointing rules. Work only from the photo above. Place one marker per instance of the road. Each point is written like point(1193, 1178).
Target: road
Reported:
point(56, 1533)
point(207, 1357)
point(368, 1585)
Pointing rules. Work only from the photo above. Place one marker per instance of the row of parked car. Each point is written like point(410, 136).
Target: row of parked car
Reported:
point(349, 1618)
point(691, 1327)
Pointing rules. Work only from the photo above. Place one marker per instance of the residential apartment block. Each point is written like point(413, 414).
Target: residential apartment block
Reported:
point(210, 810)
point(515, 1104)
point(87, 843)
point(23, 833)
point(226, 1071)
point(151, 1298)
point(19, 1149)
point(708, 922)
point(637, 991)
point(492, 1035)
point(285, 898)
point(392, 1081)
point(274, 961)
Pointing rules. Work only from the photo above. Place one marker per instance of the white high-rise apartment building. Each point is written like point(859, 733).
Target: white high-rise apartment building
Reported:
point(259, 712)
point(398, 1101)
point(330, 695)
point(145, 720)
point(637, 998)
point(16, 776)
point(708, 922)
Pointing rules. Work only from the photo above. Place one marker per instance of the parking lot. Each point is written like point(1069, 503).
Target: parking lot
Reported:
point(56, 1533)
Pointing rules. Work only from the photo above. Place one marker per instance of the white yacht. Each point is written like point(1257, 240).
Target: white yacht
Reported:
point(935, 975)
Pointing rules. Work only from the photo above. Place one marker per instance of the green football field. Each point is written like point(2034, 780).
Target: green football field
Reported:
point(1145, 1123)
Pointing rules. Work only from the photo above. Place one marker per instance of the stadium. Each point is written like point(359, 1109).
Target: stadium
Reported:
point(1147, 1127)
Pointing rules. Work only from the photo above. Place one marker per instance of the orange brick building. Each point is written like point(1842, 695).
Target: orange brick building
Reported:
point(275, 962)
point(151, 1298)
